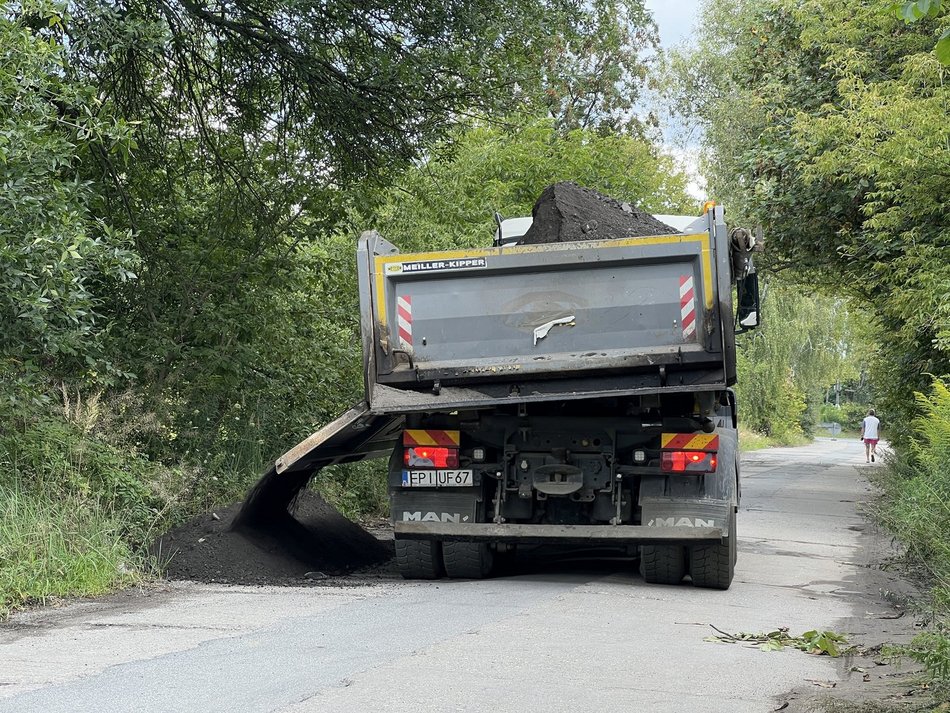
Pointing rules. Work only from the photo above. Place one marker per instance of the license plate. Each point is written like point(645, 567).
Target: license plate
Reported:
point(436, 478)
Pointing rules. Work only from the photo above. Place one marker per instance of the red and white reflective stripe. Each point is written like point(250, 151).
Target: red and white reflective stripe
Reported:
point(687, 306)
point(404, 317)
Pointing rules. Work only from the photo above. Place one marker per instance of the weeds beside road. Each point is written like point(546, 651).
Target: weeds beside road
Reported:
point(916, 508)
point(78, 513)
point(753, 441)
point(75, 514)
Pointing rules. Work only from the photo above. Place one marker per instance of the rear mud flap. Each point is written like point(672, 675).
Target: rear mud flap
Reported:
point(434, 507)
point(682, 513)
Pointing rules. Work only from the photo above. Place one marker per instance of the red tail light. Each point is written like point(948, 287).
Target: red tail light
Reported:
point(431, 457)
point(688, 462)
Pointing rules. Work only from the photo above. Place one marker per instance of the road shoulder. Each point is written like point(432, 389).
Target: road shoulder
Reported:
point(884, 614)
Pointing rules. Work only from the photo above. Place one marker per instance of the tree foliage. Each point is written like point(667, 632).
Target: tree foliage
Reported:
point(918, 10)
point(590, 70)
point(216, 152)
point(211, 150)
point(806, 343)
point(829, 127)
point(451, 199)
point(57, 257)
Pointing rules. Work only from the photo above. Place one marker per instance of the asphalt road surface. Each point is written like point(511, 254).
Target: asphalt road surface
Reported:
point(556, 637)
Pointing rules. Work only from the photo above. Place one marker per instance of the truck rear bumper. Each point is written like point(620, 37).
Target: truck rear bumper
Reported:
point(551, 534)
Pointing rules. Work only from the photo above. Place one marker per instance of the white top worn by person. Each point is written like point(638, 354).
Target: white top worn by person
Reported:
point(869, 434)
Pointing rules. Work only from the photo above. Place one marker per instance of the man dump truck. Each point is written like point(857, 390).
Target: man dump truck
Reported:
point(570, 392)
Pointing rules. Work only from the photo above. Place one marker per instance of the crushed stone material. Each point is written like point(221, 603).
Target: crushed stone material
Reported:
point(568, 212)
point(310, 538)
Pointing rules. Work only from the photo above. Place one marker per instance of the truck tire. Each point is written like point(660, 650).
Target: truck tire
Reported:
point(419, 559)
point(714, 566)
point(662, 564)
point(467, 560)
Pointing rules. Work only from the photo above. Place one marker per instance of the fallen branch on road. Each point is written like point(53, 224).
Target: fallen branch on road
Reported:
point(815, 642)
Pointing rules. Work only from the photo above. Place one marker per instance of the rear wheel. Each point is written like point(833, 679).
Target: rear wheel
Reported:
point(662, 564)
point(467, 560)
point(419, 559)
point(714, 566)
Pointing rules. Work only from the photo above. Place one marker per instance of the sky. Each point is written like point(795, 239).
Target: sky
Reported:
point(676, 19)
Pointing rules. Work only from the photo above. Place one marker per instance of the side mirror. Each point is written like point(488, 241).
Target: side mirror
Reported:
point(747, 316)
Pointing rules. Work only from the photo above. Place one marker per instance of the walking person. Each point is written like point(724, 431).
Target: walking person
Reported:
point(869, 429)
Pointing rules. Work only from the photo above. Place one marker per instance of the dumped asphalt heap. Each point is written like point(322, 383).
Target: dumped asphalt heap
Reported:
point(282, 532)
point(567, 212)
point(309, 540)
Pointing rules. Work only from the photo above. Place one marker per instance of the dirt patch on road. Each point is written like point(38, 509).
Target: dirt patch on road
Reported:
point(310, 541)
point(567, 212)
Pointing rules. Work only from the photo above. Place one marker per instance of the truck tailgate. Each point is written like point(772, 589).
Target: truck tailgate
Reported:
point(544, 309)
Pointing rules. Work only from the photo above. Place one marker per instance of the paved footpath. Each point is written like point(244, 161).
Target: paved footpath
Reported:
point(559, 639)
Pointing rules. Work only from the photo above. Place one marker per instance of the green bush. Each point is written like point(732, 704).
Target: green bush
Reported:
point(76, 513)
point(917, 510)
point(52, 458)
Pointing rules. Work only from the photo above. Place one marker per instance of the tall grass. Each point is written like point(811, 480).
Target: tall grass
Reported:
point(84, 492)
point(750, 440)
point(75, 513)
point(917, 509)
point(59, 546)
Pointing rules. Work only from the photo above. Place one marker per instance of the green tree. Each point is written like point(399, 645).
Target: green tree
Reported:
point(918, 10)
point(590, 69)
point(57, 257)
point(806, 343)
point(827, 124)
point(451, 200)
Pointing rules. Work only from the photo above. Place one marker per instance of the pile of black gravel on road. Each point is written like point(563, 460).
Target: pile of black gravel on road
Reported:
point(308, 541)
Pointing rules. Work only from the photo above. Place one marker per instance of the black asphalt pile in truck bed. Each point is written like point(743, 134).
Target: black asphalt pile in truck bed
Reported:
point(566, 212)
point(309, 540)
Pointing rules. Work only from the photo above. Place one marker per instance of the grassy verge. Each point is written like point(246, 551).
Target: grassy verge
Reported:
point(76, 513)
point(80, 501)
point(916, 509)
point(60, 546)
point(754, 441)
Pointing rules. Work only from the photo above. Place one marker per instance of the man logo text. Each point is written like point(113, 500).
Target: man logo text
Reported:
point(681, 522)
point(431, 517)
